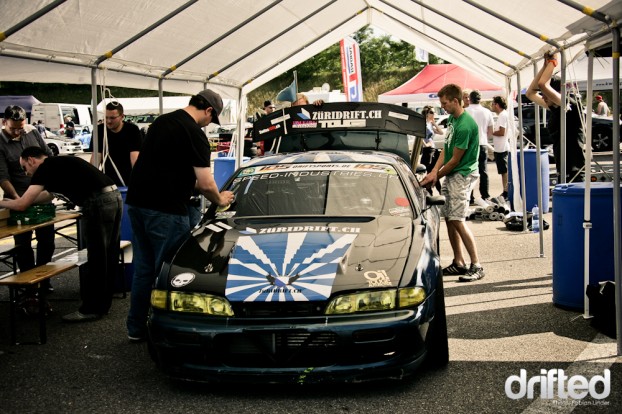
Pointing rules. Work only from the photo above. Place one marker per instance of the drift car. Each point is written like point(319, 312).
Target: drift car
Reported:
point(324, 268)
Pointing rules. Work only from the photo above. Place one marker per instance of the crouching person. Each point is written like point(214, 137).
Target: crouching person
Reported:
point(102, 208)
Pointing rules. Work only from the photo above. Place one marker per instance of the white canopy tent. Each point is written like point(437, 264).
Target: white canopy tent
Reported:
point(236, 46)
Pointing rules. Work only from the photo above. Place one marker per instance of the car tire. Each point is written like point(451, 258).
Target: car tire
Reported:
point(54, 149)
point(602, 138)
point(436, 341)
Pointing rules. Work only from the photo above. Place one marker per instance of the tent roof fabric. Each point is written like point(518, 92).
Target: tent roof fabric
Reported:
point(237, 46)
point(424, 86)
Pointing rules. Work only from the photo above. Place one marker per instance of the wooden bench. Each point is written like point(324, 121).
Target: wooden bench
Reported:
point(32, 278)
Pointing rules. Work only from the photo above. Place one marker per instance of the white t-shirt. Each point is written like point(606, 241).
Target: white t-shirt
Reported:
point(501, 144)
point(483, 118)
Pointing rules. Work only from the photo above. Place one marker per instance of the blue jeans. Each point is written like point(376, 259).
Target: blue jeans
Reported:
point(156, 234)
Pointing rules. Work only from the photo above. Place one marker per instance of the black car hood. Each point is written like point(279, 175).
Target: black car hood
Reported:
point(291, 261)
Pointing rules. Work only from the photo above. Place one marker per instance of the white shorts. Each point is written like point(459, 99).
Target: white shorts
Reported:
point(457, 191)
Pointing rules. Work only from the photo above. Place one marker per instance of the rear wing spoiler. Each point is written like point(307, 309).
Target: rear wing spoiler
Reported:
point(342, 126)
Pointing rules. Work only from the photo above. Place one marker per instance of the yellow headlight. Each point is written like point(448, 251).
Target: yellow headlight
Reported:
point(158, 298)
point(362, 302)
point(411, 296)
point(200, 303)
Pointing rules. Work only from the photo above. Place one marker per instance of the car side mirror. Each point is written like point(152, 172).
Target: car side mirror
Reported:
point(430, 201)
point(420, 169)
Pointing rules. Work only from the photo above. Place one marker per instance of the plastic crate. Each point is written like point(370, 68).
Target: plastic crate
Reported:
point(35, 214)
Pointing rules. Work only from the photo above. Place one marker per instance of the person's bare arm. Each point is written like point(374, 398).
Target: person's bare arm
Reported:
point(207, 186)
point(25, 201)
point(9, 190)
point(99, 159)
point(500, 132)
point(533, 89)
point(545, 80)
point(134, 157)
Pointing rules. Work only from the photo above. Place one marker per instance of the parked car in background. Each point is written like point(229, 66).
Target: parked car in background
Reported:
point(324, 268)
point(602, 129)
point(62, 145)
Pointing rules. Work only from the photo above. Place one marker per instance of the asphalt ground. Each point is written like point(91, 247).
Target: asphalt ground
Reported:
point(498, 326)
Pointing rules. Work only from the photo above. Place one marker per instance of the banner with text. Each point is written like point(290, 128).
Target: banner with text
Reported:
point(351, 70)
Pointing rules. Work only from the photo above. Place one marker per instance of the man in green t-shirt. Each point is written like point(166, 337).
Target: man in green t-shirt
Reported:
point(458, 164)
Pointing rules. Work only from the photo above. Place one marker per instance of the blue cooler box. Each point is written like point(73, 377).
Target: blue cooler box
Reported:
point(569, 236)
point(531, 179)
point(224, 167)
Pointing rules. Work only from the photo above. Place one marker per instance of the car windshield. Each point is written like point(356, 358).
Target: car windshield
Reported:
point(336, 189)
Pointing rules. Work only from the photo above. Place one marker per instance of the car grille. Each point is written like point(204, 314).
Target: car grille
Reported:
point(299, 348)
point(283, 349)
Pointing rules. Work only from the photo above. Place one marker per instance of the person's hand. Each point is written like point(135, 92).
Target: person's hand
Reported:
point(429, 180)
point(226, 198)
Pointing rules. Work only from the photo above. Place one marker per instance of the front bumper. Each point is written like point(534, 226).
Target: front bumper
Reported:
point(289, 350)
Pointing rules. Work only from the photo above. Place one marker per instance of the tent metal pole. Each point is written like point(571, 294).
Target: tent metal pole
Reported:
point(95, 132)
point(33, 17)
point(615, 103)
point(160, 96)
point(332, 29)
point(471, 28)
point(241, 132)
point(142, 33)
point(538, 173)
point(562, 120)
point(447, 34)
point(587, 10)
point(522, 157)
point(128, 72)
point(587, 212)
point(512, 23)
point(283, 32)
point(219, 38)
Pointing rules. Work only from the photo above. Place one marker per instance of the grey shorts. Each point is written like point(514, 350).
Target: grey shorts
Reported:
point(457, 191)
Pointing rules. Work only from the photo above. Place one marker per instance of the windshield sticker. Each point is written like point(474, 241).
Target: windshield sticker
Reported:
point(182, 279)
point(285, 267)
point(307, 170)
point(399, 211)
point(378, 278)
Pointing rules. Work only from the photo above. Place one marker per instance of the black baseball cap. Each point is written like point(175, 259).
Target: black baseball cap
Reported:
point(215, 101)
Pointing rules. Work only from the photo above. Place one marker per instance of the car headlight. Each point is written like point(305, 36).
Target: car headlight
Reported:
point(411, 296)
point(362, 302)
point(376, 300)
point(191, 302)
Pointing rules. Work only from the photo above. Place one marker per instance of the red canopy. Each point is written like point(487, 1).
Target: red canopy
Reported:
point(423, 87)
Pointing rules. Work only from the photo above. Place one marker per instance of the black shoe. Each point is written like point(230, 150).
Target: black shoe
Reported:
point(453, 269)
point(78, 316)
point(474, 273)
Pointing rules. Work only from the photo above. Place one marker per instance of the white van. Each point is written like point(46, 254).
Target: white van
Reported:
point(53, 116)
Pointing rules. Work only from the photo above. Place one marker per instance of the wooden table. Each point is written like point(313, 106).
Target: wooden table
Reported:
point(36, 275)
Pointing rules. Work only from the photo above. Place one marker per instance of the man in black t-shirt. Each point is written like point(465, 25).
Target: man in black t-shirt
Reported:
point(101, 220)
point(174, 161)
point(123, 145)
point(70, 127)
